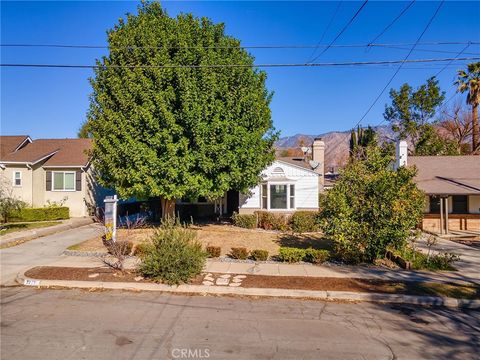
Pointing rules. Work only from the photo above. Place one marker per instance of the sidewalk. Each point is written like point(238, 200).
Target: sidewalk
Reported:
point(26, 235)
point(306, 270)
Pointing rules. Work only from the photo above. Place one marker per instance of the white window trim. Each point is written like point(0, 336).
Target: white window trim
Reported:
point(64, 172)
point(14, 178)
point(288, 208)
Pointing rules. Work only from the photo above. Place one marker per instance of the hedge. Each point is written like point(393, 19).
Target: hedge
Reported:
point(40, 214)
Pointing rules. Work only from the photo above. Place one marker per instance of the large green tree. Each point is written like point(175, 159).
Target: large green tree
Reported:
point(411, 113)
point(178, 110)
point(470, 81)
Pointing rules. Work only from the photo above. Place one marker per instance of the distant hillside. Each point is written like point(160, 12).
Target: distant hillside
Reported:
point(336, 144)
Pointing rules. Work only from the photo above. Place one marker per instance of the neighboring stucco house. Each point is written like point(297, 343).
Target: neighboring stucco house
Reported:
point(289, 184)
point(452, 187)
point(49, 170)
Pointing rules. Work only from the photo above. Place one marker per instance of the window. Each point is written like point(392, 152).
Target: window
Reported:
point(460, 204)
point(278, 196)
point(17, 178)
point(435, 204)
point(64, 181)
point(264, 196)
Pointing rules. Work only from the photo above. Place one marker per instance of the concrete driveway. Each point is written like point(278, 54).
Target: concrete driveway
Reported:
point(41, 251)
point(76, 324)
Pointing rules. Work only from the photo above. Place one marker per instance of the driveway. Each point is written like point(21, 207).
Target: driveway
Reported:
point(41, 251)
point(76, 324)
point(469, 264)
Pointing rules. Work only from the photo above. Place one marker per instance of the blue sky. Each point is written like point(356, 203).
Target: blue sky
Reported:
point(53, 102)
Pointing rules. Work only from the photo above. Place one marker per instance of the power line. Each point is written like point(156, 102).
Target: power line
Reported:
point(341, 31)
point(282, 46)
point(327, 64)
point(446, 65)
point(328, 27)
point(402, 63)
point(393, 21)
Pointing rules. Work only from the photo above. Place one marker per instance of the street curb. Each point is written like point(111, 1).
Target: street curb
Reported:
point(257, 292)
point(38, 233)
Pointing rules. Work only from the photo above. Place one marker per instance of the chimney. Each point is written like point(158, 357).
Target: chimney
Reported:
point(401, 154)
point(318, 157)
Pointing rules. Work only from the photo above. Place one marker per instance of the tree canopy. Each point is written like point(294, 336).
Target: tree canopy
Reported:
point(411, 113)
point(166, 121)
point(469, 81)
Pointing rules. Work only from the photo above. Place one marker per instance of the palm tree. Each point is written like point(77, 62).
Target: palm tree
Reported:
point(470, 81)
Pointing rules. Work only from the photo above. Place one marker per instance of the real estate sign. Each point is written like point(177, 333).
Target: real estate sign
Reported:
point(111, 218)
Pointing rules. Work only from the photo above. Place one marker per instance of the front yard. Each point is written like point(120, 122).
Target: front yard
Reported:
point(225, 237)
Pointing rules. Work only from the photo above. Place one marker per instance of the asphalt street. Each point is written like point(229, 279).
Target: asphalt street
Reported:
point(78, 324)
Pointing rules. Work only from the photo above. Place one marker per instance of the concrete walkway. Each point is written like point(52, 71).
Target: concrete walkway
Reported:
point(26, 235)
point(469, 264)
point(307, 270)
point(42, 251)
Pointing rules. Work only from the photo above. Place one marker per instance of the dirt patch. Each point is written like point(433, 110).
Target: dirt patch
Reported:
point(225, 236)
point(470, 291)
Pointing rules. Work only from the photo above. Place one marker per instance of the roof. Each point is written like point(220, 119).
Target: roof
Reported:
point(57, 152)
point(447, 175)
point(298, 161)
point(10, 143)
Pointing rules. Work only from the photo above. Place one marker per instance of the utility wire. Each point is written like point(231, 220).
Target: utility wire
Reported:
point(446, 65)
point(286, 46)
point(327, 64)
point(326, 29)
point(393, 21)
point(341, 31)
point(401, 64)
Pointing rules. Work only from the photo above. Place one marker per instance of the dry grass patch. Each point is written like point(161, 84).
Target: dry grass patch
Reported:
point(225, 236)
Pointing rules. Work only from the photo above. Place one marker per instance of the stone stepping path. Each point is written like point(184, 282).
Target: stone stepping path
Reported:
point(223, 280)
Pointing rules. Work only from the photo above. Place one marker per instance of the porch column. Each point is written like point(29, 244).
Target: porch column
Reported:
point(446, 215)
point(441, 215)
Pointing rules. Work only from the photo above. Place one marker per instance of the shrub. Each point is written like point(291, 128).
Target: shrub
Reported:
point(371, 207)
point(247, 221)
point(304, 221)
point(141, 249)
point(291, 255)
point(40, 214)
point(240, 253)
point(174, 256)
point(259, 255)
point(434, 262)
point(316, 256)
point(272, 221)
point(214, 251)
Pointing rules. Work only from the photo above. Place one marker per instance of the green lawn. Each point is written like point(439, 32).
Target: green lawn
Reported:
point(12, 227)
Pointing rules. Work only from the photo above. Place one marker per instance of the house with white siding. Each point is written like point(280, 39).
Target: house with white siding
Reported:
point(289, 184)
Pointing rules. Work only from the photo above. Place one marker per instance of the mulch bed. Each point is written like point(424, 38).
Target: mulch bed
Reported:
point(278, 282)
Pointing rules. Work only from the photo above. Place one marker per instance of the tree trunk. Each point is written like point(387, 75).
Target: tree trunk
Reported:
point(475, 129)
point(168, 208)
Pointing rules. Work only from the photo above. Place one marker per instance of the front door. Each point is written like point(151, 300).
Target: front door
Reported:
point(233, 201)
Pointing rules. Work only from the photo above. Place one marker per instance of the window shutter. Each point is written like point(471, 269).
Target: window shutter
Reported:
point(48, 183)
point(78, 181)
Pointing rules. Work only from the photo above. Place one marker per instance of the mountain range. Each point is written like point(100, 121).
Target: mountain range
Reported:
point(336, 144)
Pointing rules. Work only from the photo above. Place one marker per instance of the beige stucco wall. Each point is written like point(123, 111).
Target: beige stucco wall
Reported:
point(24, 191)
point(75, 200)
